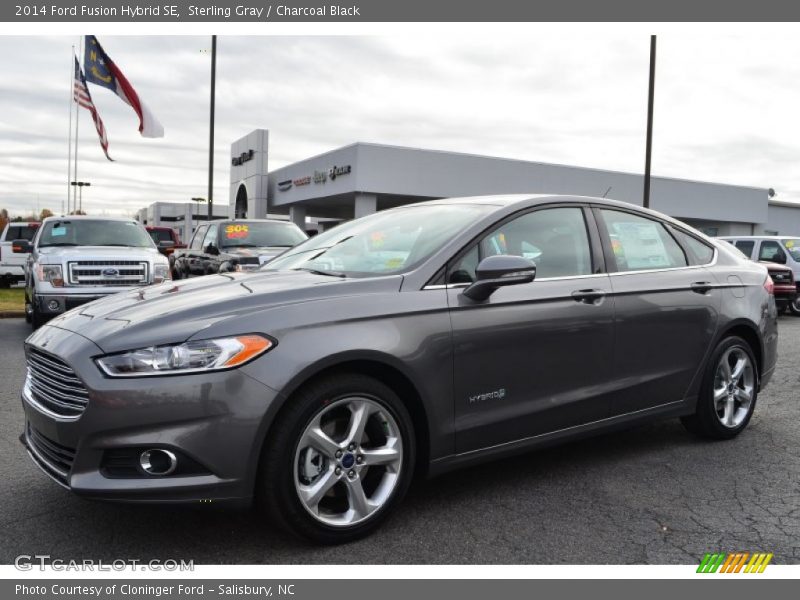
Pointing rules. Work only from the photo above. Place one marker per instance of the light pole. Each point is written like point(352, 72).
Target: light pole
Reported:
point(81, 185)
point(198, 201)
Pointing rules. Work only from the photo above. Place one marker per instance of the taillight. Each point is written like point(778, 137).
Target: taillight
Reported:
point(769, 286)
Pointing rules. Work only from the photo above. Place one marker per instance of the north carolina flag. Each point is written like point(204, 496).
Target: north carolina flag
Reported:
point(102, 71)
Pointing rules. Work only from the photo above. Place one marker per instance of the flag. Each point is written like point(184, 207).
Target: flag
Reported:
point(102, 71)
point(81, 95)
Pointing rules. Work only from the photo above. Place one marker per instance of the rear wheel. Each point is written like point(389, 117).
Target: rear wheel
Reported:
point(5, 281)
point(729, 392)
point(338, 460)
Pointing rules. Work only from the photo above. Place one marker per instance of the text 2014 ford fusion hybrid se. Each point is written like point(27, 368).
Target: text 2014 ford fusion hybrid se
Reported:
point(411, 341)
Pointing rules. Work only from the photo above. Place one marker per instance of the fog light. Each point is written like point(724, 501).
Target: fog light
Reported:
point(53, 305)
point(158, 461)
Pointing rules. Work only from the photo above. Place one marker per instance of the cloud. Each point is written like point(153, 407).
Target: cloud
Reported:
point(724, 111)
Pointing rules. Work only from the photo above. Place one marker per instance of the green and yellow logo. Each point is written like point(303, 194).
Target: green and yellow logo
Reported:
point(735, 562)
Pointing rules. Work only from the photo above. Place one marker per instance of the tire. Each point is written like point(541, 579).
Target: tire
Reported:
point(794, 306)
point(290, 466)
point(5, 282)
point(37, 319)
point(726, 416)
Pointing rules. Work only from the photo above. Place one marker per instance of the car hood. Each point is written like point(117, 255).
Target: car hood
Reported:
point(59, 253)
point(263, 253)
point(175, 311)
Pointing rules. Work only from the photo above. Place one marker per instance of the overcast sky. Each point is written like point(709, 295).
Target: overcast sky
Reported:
point(726, 107)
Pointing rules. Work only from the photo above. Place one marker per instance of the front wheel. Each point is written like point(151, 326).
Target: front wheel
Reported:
point(729, 392)
point(794, 306)
point(338, 460)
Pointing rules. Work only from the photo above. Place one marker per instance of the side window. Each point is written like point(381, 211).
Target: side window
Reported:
point(640, 243)
point(700, 252)
point(13, 234)
point(211, 236)
point(746, 247)
point(197, 240)
point(553, 238)
point(771, 251)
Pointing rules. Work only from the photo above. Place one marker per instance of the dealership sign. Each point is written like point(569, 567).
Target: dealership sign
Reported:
point(242, 158)
point(317, 177)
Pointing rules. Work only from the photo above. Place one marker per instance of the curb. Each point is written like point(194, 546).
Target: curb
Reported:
point(12, 314)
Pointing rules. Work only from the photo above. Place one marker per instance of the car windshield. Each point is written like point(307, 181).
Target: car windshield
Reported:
point(386, 242)
point(261, 234)
point(90, 232)
point(792, 247)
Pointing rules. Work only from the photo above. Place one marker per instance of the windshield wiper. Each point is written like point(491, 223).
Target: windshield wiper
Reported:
point(58, 244)
point(318, 272)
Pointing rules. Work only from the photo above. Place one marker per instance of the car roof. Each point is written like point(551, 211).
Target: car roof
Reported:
point(89, 218)
point(756, 237)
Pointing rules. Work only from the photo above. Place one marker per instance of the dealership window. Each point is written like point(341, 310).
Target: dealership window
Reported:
point(640, 244)
point(555, 239)
point(771, 251)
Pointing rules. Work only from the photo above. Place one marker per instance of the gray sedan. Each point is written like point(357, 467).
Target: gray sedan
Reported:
point(408, 342)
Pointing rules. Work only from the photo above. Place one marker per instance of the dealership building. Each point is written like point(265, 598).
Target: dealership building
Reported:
point(362, 178)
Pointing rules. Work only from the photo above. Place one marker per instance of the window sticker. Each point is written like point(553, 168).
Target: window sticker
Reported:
point(58, 230)
point(789, 243)
point(641, 245)
point(377, 239)
point(236, 232)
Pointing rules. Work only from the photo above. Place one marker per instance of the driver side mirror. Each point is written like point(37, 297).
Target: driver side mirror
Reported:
point(497, 271)
point(163, 244)
point(211, 249)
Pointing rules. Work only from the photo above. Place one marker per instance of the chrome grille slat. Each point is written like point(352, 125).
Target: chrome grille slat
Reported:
point(45, 388)
point(54, 386)
point(71, 382)
point(90, 273)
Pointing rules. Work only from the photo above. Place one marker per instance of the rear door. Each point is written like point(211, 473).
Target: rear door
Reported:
point(533, 358)
point(193, 261)
point(667, 305)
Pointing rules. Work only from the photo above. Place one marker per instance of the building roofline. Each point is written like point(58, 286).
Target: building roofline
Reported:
point(516, 160)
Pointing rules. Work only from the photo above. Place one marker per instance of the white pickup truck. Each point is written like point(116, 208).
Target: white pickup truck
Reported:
point(12, 265)
point(76, 259)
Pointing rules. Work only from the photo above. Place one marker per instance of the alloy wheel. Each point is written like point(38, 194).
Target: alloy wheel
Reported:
point(348, 461)
point(734, 387)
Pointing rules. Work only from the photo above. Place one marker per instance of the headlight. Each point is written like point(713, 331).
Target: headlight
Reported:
point(52, 274)
point(161, 272)
point(189, 357)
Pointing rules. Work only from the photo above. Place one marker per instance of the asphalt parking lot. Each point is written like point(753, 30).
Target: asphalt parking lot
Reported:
point(653, 495)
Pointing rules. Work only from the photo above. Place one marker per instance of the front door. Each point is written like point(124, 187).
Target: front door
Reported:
point(536, 357)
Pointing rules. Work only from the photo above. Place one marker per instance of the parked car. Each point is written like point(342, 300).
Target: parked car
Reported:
point(12, 265)
point(235, 245)
point(782, 250)
point(74, 260)
point(785, 290)
point(408, 342)
point(167, 240)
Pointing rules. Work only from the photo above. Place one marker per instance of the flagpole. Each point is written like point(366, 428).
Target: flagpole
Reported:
point(211, 128)
point(77, 120)
point(69, 140)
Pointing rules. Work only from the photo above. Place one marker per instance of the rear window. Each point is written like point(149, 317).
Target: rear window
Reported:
point(160, 235)
point(21, 232)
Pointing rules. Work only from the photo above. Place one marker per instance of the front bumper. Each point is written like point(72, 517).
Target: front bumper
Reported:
point(215, 421)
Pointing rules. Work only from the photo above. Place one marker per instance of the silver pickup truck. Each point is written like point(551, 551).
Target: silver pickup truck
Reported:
point(76, 259)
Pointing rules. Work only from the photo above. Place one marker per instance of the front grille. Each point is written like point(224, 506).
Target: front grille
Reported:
point(249, 260)
point(107, 272)
point(781, 276)
point(54, 385)
point(51, 456)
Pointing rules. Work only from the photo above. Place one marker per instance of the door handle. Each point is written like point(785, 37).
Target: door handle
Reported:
point(588, 296)
point(701, 287)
